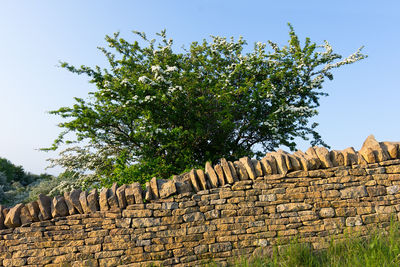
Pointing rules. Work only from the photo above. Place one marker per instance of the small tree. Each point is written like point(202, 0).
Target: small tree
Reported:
point(157, 112)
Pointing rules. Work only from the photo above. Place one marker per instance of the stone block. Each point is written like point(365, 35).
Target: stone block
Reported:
point(194, 180)
point(353, 192)
point(391, 190)
point(74, 197)
point(227, 171)
point(220, 173)
point(58, 207)
point(336, 158)
point(34, 210)
point(44, 203)
point(182, 183)
point(166, 188)
point(349, 156)
point(248, 164)
point(121, 196)
point(324, 156)
point(13, 219)
point(289, 207)
point(103, 203)
point(233, 171)
point(258, 168)
point(327, 213)
point(112, 198)
point(202, 179)
point(280, 160)
point(93, 201)
point(241, 171)
point(213, 178)
point(392, 148)
point(154, 188)
point(70, 205)
point(83, 201)
point(353, 221)
point(372, 151)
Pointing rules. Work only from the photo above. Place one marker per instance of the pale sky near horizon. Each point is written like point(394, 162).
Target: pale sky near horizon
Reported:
point(35, 35)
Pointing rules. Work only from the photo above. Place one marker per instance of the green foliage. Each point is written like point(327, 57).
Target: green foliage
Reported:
point(157, 112)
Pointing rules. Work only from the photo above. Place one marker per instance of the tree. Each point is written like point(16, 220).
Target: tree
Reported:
point(157, 112)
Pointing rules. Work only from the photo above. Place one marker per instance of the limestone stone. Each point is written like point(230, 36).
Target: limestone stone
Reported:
point(293, 207)
point(353, 192)
point(34, 210)
point(154, 188)
point(257, 168)
point(324, 157)
point(84, 202)
point(241, 170)
point(201, 178)
point(362, 161)
point(1, 218)
point(233, 171)
point(280, 162)
point(211, 175)
point(248, 164)
point(312, 154)
point(70, 205)
point(137, 192)
point(182, 183)
point(392, 148)
point(44, 203)
point(227, 171)
point(74, 197)
point(303, 159)
point(12, 219)
point(295, 162)
point(129, 195)
point(166, 188)
point(337, 158)
point(103, 203)
point(58, 207)
point(354, 221)
point(121, 196)
point(194, 180)
point(391, 190)
point(327, 213)
point(286, 159)
point(148, 194)
point(372, 151)
point(93, 201)
point(220, 173)
point(112, 198)
point(272, 162)
point(349, 156)
point(266, 166)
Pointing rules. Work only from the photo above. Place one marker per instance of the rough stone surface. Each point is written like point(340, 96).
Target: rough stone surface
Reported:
point(211, 175)
point(137, 192)
point(227, 171)
point(93, 201)
point(13, 216)
point(202, 179)
point(25, 216)
point(34, 210)
point(280, 160)
point(337, 158)
point(257, 168)
point(353, 192)
point(248, 164)
point(154, 188)
point(220, 173)
point(183, 184)
point(372, 151)
point(349, 156)
point(74, 197)
point(233, 171)
point(166, 188)
point(324, 156)
point(112, 197)
point(392, 148)
point(84, 202)
point(70, 205)
point(44, 203)
point(194, 180)
point(1, 218)
point(121, 196)
point(103, 203)
point(327, 212)
point(58, 207)
point(241, 170)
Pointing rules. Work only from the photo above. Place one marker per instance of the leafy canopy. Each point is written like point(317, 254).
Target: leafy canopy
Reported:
point(157, 112)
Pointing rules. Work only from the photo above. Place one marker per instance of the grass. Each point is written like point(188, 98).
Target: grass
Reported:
point(378, 249)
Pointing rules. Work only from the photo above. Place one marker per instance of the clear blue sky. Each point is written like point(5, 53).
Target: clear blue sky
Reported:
point(363, 98)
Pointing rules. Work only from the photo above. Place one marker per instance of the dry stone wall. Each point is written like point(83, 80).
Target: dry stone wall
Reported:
point(232, 209)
